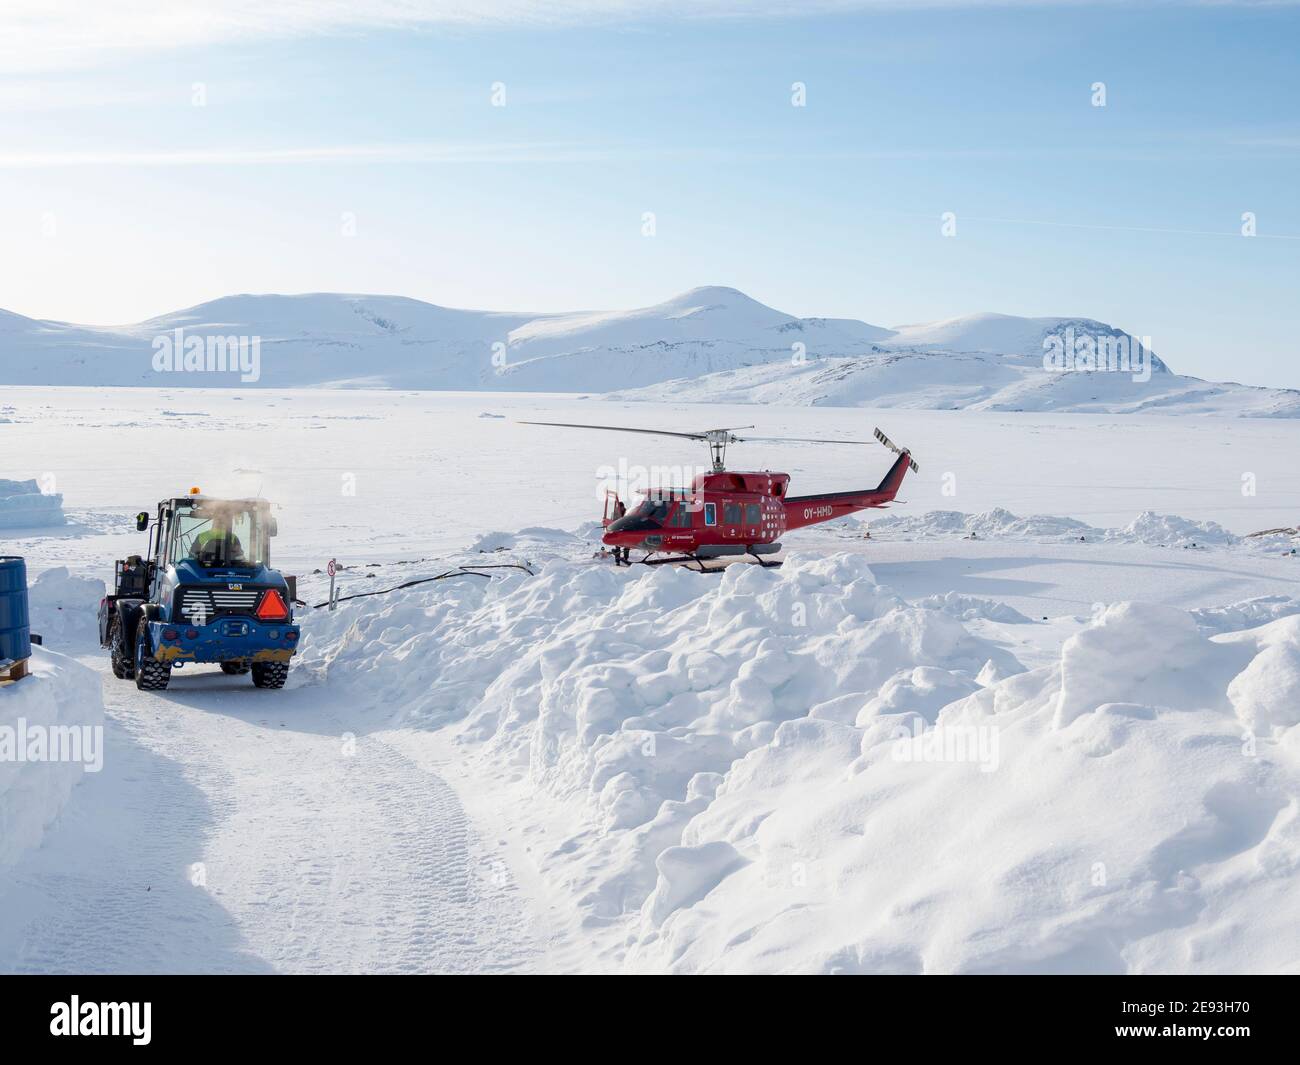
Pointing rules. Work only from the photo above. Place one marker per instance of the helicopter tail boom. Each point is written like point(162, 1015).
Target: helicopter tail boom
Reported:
point(812, 510)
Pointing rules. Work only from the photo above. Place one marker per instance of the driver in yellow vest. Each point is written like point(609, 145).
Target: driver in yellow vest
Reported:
point(207, 546)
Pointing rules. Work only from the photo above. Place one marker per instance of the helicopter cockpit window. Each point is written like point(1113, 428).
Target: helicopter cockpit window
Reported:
point(651, 510)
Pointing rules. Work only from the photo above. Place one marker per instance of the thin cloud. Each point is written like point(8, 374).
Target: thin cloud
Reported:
point(59, 34)
point(341, 153)
point(518, 152)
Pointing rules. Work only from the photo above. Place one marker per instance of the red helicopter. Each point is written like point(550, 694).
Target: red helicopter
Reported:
point(727, 513)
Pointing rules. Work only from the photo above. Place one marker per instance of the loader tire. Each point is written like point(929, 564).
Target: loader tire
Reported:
point(150, 674)
point(119, 654)
point(270, 674)
point(237, 668)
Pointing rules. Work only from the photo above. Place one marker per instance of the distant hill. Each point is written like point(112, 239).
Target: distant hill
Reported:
point(710, 344)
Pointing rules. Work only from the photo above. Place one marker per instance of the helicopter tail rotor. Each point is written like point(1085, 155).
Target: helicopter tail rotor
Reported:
point(898, 450)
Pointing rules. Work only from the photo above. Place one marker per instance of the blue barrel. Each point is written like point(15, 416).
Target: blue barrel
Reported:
point(15, 628)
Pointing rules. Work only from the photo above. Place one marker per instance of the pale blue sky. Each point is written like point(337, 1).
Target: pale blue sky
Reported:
point(120, 199)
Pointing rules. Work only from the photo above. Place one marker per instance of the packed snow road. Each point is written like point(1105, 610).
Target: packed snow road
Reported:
point(234, 830)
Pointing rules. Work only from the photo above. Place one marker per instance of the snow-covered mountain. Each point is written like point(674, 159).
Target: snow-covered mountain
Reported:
point(894, 374)
point(706, 345)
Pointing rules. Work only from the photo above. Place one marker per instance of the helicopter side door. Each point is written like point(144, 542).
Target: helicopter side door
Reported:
point(678, 528)
point(733, 516)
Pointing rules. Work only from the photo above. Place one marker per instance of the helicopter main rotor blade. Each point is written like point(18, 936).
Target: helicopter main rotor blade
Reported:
point(881, 437)
point(797, 440)
point(616, 429)
point(630, 429)
point(718, 439)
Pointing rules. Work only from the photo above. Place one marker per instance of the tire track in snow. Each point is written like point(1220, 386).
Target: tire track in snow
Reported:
point(312, 859)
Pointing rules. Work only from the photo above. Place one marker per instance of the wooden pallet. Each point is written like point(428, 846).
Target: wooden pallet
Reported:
point(14, 671)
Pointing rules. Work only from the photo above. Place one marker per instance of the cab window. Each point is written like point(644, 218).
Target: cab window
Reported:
point(681, 518)
point(218, 535)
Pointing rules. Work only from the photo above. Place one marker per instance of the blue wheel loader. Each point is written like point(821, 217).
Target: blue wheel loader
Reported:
point(204, 591)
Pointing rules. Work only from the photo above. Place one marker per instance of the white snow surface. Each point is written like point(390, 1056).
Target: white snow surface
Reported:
point(24, 506)
point(63, 609)
point(60, 693)
point(753, 771)
point(920, 378)
point(710, 344)
point(1069, 744)
point(1159, 530)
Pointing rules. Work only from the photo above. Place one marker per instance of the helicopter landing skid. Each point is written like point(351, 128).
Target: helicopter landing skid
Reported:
point(699, 565)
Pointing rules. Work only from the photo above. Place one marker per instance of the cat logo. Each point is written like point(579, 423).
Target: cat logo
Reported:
point(235, 587)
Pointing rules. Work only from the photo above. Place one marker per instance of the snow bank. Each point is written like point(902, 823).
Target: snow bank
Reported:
point(534, 536)
point(60, 694)
point(795, 769)
point(1131, 820)
point(1158, 530)
point(64, 609)
point(23, 506)
point(989, 525)
point(1245, 614)
point(1150, 528)
point(973, 608)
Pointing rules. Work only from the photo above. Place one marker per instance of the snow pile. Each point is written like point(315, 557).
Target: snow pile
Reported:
point(796, 769)
point(1157, 530)
point(973, 608)
point(1170, 530)
point(1245, 614)
point(539, 537)
point(996, 524)
point(629, 695)
point(64, 609)
point(1115, 811)
point(24, 506)
point(59, 698)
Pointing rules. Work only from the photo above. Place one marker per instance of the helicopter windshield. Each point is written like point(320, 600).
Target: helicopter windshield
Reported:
point(648, 514)
point(216, 534)
point(651, 509)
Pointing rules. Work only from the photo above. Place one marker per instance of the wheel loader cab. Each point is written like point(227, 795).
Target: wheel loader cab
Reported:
point(218, 534)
